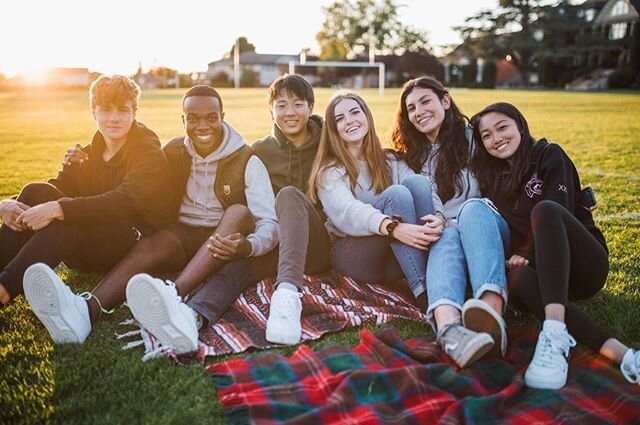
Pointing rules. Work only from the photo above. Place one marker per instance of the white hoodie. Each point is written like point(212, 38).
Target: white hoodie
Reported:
point(200, 206)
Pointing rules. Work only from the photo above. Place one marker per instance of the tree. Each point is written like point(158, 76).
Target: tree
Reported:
point(350, 27)
point(507, 31)
point(245, 46)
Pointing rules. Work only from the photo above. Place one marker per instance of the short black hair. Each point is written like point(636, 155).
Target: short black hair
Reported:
point(293, 84)
point(202, 90)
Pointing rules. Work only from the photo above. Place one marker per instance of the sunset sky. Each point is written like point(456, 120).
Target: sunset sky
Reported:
point(114, 36)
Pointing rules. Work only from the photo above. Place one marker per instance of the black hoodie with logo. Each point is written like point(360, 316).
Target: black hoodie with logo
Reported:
point(552, 176)
point(287, 164)
point(130, 186)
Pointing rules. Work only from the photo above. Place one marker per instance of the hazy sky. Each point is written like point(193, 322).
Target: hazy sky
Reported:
point(115, 35)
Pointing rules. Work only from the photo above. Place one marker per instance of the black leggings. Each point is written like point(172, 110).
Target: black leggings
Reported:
point(87, 247)
point(568, 263)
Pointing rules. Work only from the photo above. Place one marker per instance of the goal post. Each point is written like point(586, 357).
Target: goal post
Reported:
point(341, 64)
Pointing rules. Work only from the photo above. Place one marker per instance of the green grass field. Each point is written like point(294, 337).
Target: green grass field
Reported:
point(99, 383)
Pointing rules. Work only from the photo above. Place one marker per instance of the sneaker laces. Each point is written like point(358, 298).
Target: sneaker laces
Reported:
point(632, 371)
point(287, 304)
point(171, 287)
point(551, 345)
point(88, 295)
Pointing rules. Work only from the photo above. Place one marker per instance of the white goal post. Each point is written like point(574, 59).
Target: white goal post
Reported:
point(319, 64)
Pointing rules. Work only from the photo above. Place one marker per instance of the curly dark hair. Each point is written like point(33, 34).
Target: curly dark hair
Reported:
point(414, 148)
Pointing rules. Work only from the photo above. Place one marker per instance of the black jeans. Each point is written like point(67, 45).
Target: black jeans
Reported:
point(568, 263)
point(87, 247)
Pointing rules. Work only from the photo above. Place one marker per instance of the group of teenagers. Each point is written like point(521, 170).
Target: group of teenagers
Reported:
point(458, 208)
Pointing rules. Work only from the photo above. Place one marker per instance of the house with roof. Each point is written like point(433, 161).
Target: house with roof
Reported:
point(264, 67)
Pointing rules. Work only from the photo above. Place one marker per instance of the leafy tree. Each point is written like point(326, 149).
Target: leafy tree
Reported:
point(507, 31)
point(351, 25)
point(245, 46)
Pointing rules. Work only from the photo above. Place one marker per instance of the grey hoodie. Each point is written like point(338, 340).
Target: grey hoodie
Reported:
point(200, 206)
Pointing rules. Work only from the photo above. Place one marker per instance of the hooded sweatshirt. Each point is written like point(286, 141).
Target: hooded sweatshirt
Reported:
point(129, 186)
point(551, 176)
point(199, 205)
point(289, 165)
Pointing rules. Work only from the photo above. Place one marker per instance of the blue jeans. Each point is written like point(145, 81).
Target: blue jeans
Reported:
point(471, 250)
point(373, 258)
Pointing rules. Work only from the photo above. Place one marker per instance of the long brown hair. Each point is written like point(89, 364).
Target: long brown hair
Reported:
point(414, 148)
point(333, 152)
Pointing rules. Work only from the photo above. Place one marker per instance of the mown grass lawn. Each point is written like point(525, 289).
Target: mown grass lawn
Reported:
point(99, 383)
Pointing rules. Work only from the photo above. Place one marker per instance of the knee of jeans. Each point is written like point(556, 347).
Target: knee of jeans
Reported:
point(38, 193)
point(399, 194)
point(471, 208)
point(288, 195)
point(417, 182)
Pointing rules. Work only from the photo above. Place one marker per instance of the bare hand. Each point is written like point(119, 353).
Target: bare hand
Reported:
point(75, 155)
point(40, 216)
point(231, 247)
point(415, 235)
point(517, 261)
point(10, 211)
point(434, 223)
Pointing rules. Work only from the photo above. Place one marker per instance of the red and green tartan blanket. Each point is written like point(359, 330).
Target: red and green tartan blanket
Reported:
point(384, 380)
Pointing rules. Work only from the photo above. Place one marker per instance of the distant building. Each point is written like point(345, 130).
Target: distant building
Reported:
point(264, 67)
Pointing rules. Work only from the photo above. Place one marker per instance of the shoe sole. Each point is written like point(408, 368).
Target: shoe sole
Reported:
point(149, 307)
point(41, 292)
point(543, 385)
point(480, 317)
point(483, 343)
point(279, 338)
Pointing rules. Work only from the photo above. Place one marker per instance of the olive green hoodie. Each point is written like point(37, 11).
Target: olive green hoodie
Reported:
point(289, 165)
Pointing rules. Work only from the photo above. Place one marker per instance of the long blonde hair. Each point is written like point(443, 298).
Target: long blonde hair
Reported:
point(333, 152)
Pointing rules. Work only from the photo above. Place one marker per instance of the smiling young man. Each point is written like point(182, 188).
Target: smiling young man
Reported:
point(221, 192)
point(93, 213)
point(288, 153)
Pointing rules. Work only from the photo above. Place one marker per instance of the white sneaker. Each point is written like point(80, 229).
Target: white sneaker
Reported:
point(159, 309)
point(283, 325)
point(63, 313)
point(479, 316)
point(630, 366)
point(549, 367)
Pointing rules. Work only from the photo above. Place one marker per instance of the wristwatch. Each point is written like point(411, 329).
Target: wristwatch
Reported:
point(395, 220)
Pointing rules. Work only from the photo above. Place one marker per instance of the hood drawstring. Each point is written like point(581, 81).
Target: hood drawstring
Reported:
point(195, 182)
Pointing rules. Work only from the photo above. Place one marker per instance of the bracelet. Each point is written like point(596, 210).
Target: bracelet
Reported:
point(395, 220)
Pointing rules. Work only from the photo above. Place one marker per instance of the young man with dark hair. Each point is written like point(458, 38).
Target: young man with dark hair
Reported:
point(91, 214)
point(288, 154)
point(221, 188)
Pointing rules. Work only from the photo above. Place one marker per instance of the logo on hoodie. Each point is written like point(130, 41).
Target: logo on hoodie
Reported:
point(533, 186)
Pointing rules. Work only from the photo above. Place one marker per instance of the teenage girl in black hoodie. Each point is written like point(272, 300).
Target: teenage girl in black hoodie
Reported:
point(558, 252)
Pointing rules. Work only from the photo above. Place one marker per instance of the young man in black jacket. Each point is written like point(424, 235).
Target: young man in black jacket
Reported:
point(93, 213)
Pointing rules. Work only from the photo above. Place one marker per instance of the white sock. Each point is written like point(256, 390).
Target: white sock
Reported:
point(287, 285)
point(554, 325)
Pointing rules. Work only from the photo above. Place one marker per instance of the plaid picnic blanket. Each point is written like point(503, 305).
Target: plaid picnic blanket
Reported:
point(384, 380)
point(330, 303)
